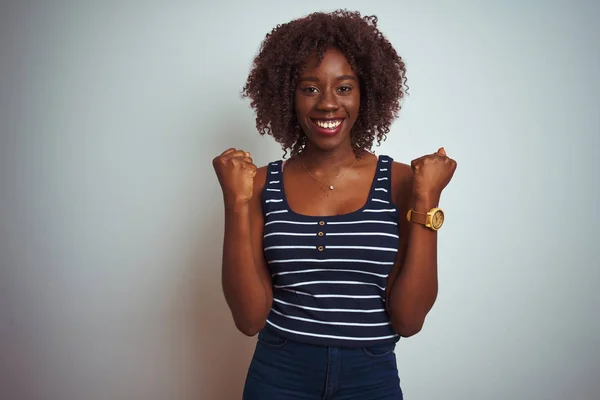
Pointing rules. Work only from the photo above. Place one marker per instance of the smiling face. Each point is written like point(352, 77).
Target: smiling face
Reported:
point(328, 100)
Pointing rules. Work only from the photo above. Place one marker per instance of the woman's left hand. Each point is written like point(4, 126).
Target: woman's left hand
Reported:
point(432, 173)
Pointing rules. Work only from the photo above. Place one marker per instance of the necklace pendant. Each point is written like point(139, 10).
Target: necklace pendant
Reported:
point(331, 187)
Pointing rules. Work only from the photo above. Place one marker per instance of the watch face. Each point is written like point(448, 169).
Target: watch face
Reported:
point(437, 219)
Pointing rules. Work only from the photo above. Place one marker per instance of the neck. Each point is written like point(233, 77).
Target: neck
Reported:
point(337, 157)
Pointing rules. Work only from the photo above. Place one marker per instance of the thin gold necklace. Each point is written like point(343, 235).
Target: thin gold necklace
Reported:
point(331, 187)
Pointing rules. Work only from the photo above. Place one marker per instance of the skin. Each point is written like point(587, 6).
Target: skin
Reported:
point(329, 90)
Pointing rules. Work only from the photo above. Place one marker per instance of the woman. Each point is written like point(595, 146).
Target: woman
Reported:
point(331, 256)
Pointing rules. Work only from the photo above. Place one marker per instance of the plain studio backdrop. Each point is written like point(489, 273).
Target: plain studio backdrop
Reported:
point(111, 218)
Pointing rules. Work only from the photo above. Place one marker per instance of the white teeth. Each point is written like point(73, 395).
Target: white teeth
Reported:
point(328, 124)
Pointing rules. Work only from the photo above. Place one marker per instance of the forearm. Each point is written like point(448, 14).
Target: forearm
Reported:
point(415, 289)
point(243, 285)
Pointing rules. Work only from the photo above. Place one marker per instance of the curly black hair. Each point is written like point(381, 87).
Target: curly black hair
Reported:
point(272, 81)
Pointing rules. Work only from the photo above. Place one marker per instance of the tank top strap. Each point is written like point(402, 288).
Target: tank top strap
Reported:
point(383, 177)
point(272, 196)
point(274, 176)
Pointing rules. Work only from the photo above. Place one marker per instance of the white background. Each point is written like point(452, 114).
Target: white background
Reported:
point(111, 219)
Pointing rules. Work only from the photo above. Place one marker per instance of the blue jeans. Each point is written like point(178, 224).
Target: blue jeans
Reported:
point(282, 369)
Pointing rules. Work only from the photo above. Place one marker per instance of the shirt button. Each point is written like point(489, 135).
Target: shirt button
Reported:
point(320, 233)
point(320, 248)
point(321, 223)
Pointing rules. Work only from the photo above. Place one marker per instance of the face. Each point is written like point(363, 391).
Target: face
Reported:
point(328, 100)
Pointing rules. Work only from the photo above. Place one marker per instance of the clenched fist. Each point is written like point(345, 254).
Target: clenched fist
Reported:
point(432, 173)
point(235, 172)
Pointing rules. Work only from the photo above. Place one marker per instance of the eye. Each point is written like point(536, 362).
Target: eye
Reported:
point(310, 90)
point(345, 88)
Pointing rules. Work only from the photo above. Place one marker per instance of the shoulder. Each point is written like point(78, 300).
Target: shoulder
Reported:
point(260, 178)
point(257, 191)
point(401, 172)
point(402, 181)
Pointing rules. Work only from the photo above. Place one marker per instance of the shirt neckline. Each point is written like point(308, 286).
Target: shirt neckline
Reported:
point(331, 216)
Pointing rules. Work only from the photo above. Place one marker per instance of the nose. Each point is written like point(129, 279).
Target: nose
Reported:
point(328, 101)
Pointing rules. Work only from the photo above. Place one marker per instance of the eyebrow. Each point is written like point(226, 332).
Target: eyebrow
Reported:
point(339, 78)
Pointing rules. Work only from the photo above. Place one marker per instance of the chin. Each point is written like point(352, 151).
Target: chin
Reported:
point(325, 143)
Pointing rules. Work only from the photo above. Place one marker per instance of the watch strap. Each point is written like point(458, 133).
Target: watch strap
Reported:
point(417, 217)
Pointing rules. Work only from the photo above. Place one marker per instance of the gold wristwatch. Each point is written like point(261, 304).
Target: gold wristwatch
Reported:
point(433, 220)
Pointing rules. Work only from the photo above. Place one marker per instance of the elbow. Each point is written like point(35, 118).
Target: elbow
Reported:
point(249, 319)
point(408, 329)
point(408, 320)
point(248, 331)
point(405, 325)
point(249, 327)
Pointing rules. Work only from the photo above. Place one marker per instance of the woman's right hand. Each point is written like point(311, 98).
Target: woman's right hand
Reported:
point(235, 172)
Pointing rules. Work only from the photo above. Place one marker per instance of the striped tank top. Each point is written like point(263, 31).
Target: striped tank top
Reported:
point(329, 273)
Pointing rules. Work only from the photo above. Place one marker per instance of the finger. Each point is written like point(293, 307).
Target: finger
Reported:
point(242, 156)
point(228, 151)
point(237, 153)
point(415, 164)
point(441, 151)
point(419, 160)
point(241, 159)
point(250, 167)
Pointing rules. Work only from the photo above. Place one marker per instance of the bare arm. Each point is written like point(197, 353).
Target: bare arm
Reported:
point(413, 284)
point(245, 277)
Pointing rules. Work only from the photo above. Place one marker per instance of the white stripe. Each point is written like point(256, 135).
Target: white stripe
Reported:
point(349, 310)
point(330, 323)
point(382, 210)
point(273, 182)
point(276, 212)
point(274, 172)
point(291, 222)
point(331, 336)
point(383, 169)
point(288, 234)
point(381, 201)
point(340, 296)
point(363, 222)
point(364, 234)
point(274, 201)
point(290, 247)
point(380, 190)
point(362, 248)
point(331, 260)
point(273, 190)
point(385, 160)
point(327, 282)
point(382, 179)
point(305, 271)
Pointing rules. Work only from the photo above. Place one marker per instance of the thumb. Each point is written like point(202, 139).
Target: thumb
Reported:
point(441, 151)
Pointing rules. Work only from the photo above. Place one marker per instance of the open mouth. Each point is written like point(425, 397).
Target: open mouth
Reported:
point(329, 126)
